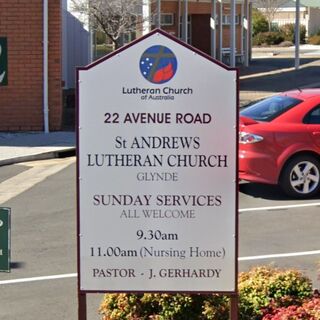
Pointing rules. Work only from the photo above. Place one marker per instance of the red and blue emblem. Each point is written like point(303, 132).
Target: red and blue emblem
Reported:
point(158, 64)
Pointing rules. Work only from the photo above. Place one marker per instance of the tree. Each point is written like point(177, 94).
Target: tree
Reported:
point(112, 17)
point(259, 22)
point(270, 8)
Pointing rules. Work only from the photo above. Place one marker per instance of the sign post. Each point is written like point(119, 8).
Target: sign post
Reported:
point(157, 171)
point(5, 229)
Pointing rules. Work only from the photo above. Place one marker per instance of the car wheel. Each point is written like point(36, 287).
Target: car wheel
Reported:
point(301, 177)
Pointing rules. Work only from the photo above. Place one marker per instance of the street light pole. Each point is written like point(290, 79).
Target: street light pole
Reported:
point(297, 35)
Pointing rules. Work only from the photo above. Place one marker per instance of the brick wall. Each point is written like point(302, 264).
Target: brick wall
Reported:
point(21, 102)
point(201, 32)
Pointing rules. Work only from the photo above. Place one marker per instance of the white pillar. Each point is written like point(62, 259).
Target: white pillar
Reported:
point(146, 17)
point(45, 67)
point(213, 28)
point(297, 35)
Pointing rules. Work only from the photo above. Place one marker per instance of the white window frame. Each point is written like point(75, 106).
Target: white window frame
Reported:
point(163, 15)
point(226, 19)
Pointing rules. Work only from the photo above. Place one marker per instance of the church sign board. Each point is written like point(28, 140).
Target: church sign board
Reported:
point(157, 170)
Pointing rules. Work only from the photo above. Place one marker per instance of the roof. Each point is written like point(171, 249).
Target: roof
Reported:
point(292, 3)
point(310, 3)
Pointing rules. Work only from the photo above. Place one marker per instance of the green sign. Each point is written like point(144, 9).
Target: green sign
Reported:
point(5, 239)
point(3, 62)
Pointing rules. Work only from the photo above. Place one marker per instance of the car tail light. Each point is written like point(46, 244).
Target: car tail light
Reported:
point(246, 138)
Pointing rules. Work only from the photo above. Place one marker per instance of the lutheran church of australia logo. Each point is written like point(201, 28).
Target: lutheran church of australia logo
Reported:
point(158, 64)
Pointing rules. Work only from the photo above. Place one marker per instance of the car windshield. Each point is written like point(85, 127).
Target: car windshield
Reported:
point(270, 108)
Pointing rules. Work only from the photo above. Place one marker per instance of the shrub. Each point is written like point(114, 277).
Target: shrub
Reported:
point(100, 37)
point(268, 38)
point(286, 44)
point(216, 307)
point(310, 309)
point(153, 306)
point(314, 39)
point(288, 32)
point(178, 306)
point(123, 306)
point(259, 22)
point(259, 289)
point(263, 285)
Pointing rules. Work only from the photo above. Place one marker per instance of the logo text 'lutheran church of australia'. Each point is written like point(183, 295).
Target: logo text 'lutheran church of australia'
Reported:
point(158, 64)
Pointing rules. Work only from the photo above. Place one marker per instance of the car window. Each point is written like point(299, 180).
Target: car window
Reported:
point(270, 108)
point(313, 117)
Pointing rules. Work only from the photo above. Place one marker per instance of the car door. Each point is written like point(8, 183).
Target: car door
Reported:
point(312, 119)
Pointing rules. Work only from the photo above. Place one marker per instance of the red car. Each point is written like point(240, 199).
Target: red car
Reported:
point(279, 142)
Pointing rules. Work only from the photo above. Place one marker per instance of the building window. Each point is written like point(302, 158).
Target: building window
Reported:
point(167, 19)
point(189, 29)
point(128, 36)
point(226, 19)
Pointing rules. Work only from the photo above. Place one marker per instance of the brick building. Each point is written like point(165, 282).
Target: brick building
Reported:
point(200, 24)
point(22, 74)
point(22, 60)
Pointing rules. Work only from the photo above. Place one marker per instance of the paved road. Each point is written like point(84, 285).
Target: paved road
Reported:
point(42, 197)
point(273, 224)
point(276, 74)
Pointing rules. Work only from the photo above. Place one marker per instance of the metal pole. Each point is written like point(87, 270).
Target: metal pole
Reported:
point(159, 14)
point(242, 27)
point(92, 52)
point(297, 35)
point(45, 67)
point(233, 33)
point(247, 34)
point(213, 28)
point(82, 306)
point(185, 22)
point(179, 20)
point(220, 30)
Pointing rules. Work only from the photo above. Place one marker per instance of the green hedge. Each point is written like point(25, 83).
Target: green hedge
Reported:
point(267, 38)
point(258, 289)
point(285, 33)
point(259, 22)
point(288, 32)
point(262, 286)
